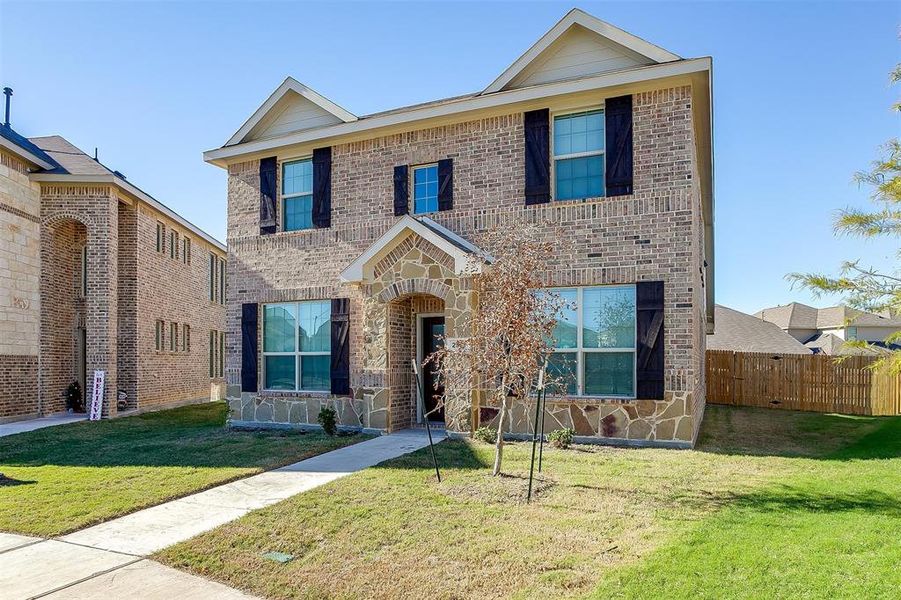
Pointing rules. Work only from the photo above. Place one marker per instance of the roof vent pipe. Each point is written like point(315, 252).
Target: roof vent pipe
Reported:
point(8, 92)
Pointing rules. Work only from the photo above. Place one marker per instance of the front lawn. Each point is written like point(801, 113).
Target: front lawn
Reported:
point(773, 504)
point(67, 477)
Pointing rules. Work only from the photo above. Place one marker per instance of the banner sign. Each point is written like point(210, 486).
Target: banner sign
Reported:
point(97, 395)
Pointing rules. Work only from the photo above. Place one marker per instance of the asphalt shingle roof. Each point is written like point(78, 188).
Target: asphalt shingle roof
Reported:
point(741, 332)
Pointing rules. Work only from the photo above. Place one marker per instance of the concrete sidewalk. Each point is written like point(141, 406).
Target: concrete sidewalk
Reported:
point(39, 423)
point(107, 560)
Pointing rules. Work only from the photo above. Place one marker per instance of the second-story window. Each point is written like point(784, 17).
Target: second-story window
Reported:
point(221, 281)
point(186, 250)
point(160, 237)
point(579, 155)
point(425, 189)
point(297, 195)
point(211, 271)
point(173, 244)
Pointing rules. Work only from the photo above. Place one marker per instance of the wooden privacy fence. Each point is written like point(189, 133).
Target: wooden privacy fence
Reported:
point(812, 382)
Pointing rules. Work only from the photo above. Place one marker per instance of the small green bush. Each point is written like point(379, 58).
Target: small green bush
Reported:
point(561, 438)
point(485, 434)
point(328, 418)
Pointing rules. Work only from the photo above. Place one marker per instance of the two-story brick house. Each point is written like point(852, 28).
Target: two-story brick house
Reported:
point(349, 238)
point(97, 275)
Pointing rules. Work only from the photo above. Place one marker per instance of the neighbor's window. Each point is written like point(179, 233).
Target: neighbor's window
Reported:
point(213, 338)
point(851, 333)
point(186, 250)
point(212, 276)
point(297, 195)
point(173, 336)
point(297, 346)
point(173, 244)
point(579, 155)
point(594, 341)
point(84, 272)
point(160, 236)
point(159, 335)
point(221, 281)
point(221, 353)
point(185, 338)
point(425, 189)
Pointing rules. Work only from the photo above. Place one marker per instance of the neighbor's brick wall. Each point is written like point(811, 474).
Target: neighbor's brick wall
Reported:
point(649, 235)
point(20, 273)
point(172, 291)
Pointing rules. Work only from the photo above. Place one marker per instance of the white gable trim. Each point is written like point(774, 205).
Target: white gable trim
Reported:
point(289, 85)
point(357, 271)
point(578, 17)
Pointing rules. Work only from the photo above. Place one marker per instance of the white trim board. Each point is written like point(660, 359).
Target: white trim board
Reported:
point(23, 153)
point(220, 156)
point(289, 85)
point(581, 18)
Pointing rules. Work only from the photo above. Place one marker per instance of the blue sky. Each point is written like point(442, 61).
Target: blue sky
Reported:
point(801, 96)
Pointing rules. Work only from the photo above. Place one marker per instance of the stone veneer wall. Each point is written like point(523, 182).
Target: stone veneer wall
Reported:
point(652, 234)
point(20, 273)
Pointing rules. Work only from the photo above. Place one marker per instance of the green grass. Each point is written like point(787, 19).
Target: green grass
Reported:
point(63, 478)
point(772, 504)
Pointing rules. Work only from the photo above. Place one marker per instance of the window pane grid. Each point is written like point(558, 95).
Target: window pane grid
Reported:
point(579, 155)
point(297, 195)
point(605, 371)
point(425, 189)
point(297, 346)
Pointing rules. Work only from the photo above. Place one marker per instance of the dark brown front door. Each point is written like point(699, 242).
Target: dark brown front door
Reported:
point(432, 338)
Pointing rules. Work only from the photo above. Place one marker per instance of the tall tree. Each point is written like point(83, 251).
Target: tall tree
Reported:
point(510, 330)
point(867, 288)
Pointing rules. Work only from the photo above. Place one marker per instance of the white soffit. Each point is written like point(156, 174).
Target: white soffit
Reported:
point(579, 45)
point(292, 107)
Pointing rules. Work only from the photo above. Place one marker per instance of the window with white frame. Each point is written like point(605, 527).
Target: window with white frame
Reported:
point(297, 346)
point(297, 195)
point(579, 155)
point(425, 189)
point(594, 341)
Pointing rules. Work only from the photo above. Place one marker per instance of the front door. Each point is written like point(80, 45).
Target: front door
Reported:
point(432, 338)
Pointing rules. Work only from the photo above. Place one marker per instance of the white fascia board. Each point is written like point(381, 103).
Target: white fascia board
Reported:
point(289, 84)
point(25, 154)
point(137, 193)
point(559, 88)
point(355, 271)
point(602, 28)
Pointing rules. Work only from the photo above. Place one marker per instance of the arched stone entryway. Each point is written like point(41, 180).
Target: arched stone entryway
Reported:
point(414, 270)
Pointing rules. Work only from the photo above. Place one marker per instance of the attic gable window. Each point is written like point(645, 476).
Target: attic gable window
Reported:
point(297, 195)
point(579, 155)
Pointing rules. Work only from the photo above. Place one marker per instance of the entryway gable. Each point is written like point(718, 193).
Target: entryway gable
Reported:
point(410, 241)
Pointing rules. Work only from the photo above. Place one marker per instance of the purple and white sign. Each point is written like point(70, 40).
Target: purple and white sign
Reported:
point(97, 395)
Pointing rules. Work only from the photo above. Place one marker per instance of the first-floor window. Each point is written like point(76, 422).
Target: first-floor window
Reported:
point(213, 338)
point(594, 341)
point(159, 335)
point(221, 353)
point(297, 346)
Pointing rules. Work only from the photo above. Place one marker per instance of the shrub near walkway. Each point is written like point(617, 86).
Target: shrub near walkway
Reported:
point(773, 504)
point(63, 478)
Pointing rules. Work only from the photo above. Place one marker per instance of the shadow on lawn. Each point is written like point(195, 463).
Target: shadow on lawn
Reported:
point(772, 432)
point(786, 498)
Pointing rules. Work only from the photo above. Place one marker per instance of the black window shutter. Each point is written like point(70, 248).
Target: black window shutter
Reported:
point(649, 321)
point(268, 195)
point(446, 184)
point(538, 161)
point(618, 115)
point(340, 365)
point(322, 187)
point(249, 321)
point(401, 190)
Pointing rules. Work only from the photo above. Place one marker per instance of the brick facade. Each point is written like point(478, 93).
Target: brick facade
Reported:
point(56, 329)
point(655, 233)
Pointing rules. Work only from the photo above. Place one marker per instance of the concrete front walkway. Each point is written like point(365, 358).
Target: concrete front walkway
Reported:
point(97, 561)
point(39, 423)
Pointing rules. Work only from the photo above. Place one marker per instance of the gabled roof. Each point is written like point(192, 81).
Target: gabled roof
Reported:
point(802, 316)
point(446, 240)
point(71, 164)
point(740, 332)
point(614, 49)
point(24, 148)
point(295, 107)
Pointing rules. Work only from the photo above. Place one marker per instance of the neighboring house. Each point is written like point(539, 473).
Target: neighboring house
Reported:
point(824, 330)
point(97, 275)
point(740, 332)
point(349, 239)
